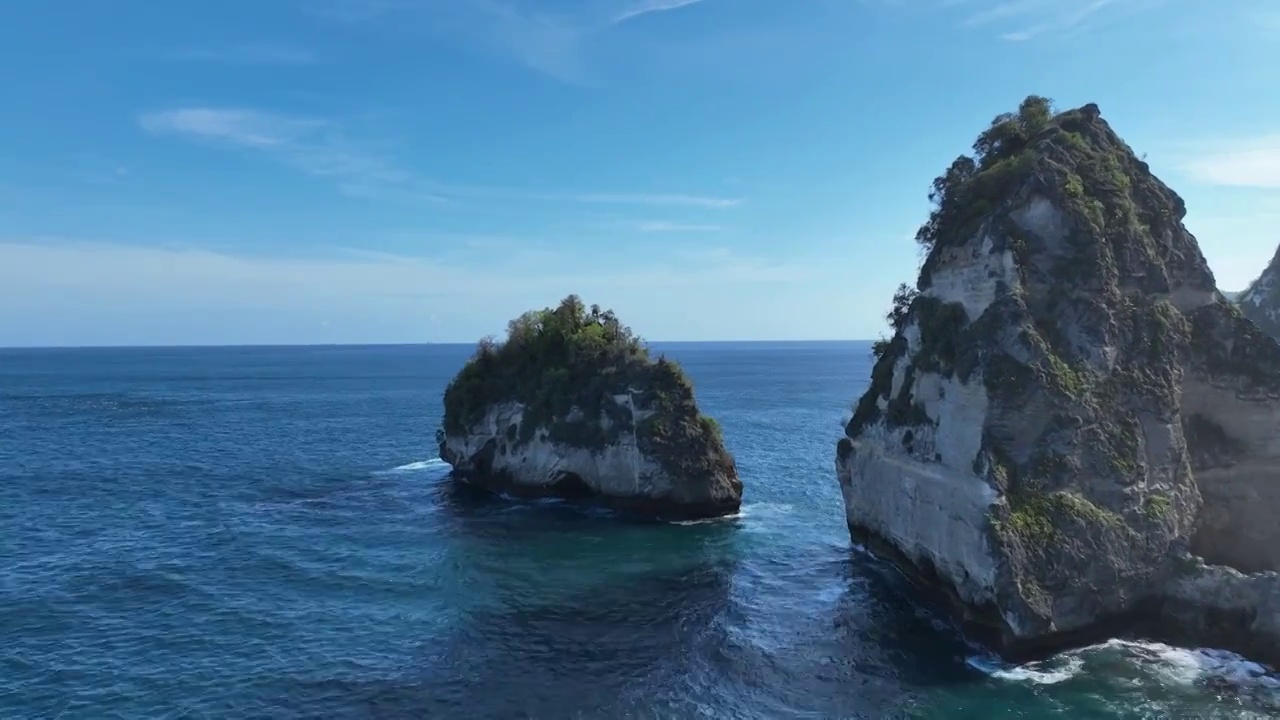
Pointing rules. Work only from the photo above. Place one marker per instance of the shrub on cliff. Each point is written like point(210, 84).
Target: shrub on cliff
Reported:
point(1089, 171)
point(565, 365)
point(967, 191)
point(552, 360)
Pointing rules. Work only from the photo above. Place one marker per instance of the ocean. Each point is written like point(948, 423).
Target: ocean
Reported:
point(267, 532)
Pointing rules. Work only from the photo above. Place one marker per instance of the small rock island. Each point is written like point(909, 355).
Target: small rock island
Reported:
point(571, 405)
point(1071, 433)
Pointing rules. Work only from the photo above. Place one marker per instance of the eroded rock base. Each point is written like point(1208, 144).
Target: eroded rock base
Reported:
point(572, 488)
point(1208, 606)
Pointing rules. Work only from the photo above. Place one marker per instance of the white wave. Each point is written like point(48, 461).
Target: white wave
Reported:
point(1047, 672)
point(1163, 664)
point(708, 521)
point(753, 510)
point(1186, 666)
point(765, 509)
point(417, 466)
point(831, 594)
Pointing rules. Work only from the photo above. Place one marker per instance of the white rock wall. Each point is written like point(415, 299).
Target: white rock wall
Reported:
point(935, 509)
point(619, 469)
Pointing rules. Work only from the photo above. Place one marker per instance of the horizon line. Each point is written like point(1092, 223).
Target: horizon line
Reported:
point(394, 344)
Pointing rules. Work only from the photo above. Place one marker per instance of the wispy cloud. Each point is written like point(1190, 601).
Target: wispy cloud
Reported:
point(1024, 34)
point(1022, 20)
point(707, 202)
point(322, 148)
point(663, 226)
point(554, 40)
point(656, 199)
point(644, 7)
point(314, 146)
point(262, 54)
point(1252, 162)
point(250, 128)
point(549, 44)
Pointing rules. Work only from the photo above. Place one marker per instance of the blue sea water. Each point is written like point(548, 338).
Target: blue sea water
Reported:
point(267, 533)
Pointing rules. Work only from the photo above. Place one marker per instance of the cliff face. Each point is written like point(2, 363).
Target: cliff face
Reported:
point(1068, 409)
point(572, 406)
point(1261, 300)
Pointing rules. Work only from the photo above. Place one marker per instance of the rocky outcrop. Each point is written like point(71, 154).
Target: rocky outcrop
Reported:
point(1071, 432)
point(572, 406)
point(1261, 300)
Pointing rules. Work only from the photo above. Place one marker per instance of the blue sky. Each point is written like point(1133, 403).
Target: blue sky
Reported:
point(285, 171)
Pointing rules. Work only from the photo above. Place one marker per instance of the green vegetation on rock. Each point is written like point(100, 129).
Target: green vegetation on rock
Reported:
point(565, 365)
point(1157, 507)
point(1074, 160)
point(553, 360)
point(1064, 378)
point(973, 186)
point(1042, 518)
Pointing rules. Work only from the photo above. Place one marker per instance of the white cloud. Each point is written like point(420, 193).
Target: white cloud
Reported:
point(1252, 162)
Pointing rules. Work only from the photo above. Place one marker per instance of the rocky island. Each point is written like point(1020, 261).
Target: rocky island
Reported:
point(571, 405)
point(1260, 302)
point(1071, 433)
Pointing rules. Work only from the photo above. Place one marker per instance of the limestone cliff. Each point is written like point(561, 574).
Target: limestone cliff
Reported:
point(1068, 411)
point(1260, 302)
point(571, 405)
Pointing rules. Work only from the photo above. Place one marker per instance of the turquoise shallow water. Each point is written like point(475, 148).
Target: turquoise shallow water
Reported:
point(266, 533)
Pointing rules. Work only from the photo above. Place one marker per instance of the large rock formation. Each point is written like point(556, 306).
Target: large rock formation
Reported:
point(1260, 302)
point(571, 405)
point(1070, 420)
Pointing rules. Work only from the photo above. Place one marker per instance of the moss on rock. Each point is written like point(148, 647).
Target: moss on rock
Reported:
point(1043, 519)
